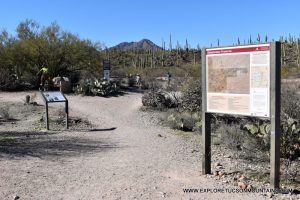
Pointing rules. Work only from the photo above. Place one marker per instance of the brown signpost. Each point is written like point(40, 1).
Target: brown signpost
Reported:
point(242, 80)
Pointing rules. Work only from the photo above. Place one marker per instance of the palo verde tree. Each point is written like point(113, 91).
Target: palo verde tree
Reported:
point(64, 53)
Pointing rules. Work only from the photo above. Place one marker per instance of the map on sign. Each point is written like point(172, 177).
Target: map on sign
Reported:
point(55, 96)
point(229, 74)
point(238, 80)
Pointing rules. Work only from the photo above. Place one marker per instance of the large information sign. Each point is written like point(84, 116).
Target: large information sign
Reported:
point(242, 80)
point(238, 80)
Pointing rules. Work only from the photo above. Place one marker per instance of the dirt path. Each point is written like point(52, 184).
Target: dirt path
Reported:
point(124, 158)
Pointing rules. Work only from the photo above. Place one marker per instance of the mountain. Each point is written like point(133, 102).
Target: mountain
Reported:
point(144, 44)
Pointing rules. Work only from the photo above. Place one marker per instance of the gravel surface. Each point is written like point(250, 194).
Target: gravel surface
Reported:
point(125, 155)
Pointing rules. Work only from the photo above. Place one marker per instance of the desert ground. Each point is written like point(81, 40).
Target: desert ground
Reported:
point(122, 154)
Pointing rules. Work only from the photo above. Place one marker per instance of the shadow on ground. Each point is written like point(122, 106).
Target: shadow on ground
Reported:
point(46, 145)
point(102, 129)
point(125, 92)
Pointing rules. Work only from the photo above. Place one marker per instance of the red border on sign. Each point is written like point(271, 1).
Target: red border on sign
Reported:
point(238, 50)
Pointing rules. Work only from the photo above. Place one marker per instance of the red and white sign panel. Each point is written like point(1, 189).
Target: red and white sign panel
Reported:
point(238, 80)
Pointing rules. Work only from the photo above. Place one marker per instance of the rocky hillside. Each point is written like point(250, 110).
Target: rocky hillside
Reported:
point(144, 44)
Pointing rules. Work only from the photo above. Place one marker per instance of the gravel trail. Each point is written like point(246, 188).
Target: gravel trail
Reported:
point(126, 156)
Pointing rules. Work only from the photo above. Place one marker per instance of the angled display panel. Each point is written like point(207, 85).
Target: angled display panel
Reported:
point(53, 96)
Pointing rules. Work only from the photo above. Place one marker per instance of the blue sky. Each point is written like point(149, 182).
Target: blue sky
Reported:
point(201, 22)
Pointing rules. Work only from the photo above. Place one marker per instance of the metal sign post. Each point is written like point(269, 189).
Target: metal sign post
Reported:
point(206, 123)
point(55, 97)
point(242, 80)
point(275, 114)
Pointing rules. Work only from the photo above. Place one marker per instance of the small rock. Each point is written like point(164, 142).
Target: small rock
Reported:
point(269, 194)
point(242, 178)
point(217, 164)
point(194, 150)
point(249, 187)
point(227, 156)
point(219, 167)
point(221, 174)
point(16, 197)
point(235, 178)
point(226, 181)
point(216, 173)
point(242, 185)
point(76, 121)
point(159, 135)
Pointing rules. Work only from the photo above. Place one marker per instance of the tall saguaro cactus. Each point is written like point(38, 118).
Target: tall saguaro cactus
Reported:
point(170, 43)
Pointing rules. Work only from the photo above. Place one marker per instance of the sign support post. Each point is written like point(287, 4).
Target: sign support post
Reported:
point(67, 114)
point(206, 123)
point(275, 115)
point(47, 117)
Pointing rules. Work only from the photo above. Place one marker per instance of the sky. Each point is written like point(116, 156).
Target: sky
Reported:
point(201, 22)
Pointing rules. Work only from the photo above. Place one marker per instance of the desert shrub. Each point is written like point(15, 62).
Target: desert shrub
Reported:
point(150, 83)
point(242, 141)
point(250, 133)
point(97, 87)
point(290, 119)
point(290, 101)
point(290, 138)
point(160, 99)
point(285, 71)
point(10, 82)
point(131, 82)
point(184, 121)
point(260, 130)
point(192, 97)
point(152, 99)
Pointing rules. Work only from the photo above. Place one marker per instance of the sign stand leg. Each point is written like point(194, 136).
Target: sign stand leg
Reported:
point(206, 123)
point(47, 117)
point(275, 115)
point(206, 143)
point(67, 115)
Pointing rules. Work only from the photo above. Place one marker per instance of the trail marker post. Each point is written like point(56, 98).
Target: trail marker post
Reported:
point(106, 69)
